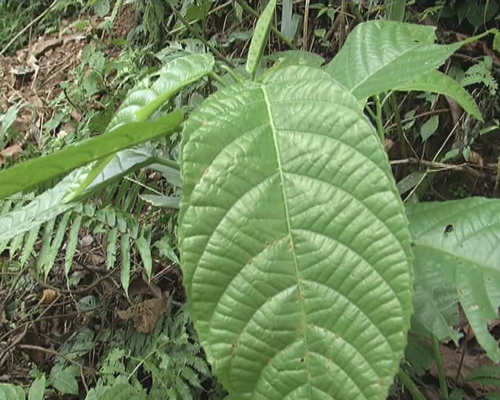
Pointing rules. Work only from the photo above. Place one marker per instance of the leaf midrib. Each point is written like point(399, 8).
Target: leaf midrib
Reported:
point(289, 227)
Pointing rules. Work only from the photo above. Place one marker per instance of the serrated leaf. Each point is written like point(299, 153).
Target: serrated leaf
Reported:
point(125, 252)
point(11, 392)
point(379, 56)
point(111, 248)
point(295, 248)
point(259, 39)
point(485, 375)
point(72, 243)
point(56, 243)
point(456, 242)
point(437, 82)
point(144, 247)
point(27, 174)
point(37, 389)
point(48, 230)
point(29, 245)
point(43, 208)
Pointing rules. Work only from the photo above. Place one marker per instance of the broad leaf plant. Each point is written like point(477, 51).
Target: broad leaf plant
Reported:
point(303, 268)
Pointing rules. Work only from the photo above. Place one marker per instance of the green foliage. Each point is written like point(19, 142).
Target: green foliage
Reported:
point(260, 38)
point(480, 73)
point(437, 82)
point(456, 252)
point(294, 268)
point(294, 241)
point(6, 124)
point(11, 392)
point(42, 169)
point(366, 68)
point(170, 354)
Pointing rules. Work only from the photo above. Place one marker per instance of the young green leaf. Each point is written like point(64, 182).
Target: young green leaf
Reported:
point(125, 251)
point(456, 242)
point(11, 392)
point(72, 243)
point(395, 10)
point(259, 39)
point(37, 389)
point(111, 248)
point(379, 56)
point(437, 82)
point(295, 248)
point(30, 173)
point(144, 247)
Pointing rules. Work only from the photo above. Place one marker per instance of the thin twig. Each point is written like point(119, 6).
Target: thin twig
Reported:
point(28, 27)
point(439, 166)
point(51, 352)
point(306, 26)
point(81, 290)
point(216, 52)
point(255, 14)
point(12, 345)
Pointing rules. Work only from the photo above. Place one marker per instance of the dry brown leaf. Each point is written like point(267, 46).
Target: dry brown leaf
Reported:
point(145, 314)
point(475, 158)
point(48, 297)
point(12, 151)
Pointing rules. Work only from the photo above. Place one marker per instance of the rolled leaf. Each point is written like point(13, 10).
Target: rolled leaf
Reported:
point(259, 38)
point(294, 243)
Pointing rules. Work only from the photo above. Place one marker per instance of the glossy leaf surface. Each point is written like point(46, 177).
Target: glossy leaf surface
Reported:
point(382, 55)
point(457, 243)
point(295, 248)
point(25, 175)
point(437, 82)
point(259, 38)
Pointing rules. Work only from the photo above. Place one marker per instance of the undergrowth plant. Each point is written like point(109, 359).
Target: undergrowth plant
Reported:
point(303, 268)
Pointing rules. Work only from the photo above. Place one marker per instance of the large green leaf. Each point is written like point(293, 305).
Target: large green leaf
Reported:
point(437, 82)
point(30, 173)
point(295, 248)
point(259, 39)
point(150, 95)
point(457, 243)
point(11, 392)
point(54, 201)
point(382, 55)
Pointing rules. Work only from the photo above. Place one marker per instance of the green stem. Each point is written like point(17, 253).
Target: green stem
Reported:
point(380, 124)
point(399, 126)
point(217, 78)
point(440, 367)
point(166, 162)
point(255, 14)
point(410, 385)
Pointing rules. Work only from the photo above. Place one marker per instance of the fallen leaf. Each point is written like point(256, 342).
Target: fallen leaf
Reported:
point(48, 297)
point(145, 314)
point(12, 151)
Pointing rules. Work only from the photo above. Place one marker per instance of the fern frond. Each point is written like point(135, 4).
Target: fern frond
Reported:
point(481, 74)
